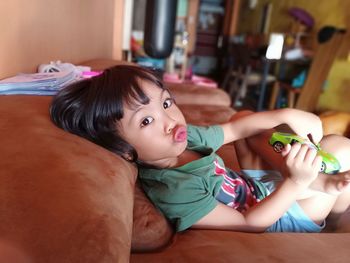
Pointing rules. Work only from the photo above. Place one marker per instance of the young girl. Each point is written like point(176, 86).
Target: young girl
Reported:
point(128, 111)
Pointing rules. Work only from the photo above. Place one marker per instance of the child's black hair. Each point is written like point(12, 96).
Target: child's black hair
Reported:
point(90, 108)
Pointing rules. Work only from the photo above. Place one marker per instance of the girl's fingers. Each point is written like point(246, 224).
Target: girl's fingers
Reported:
point(294, 151)
point(317, 162)
point(301, 153)
point(310, 155)
point(347, 175)
point(286, 150)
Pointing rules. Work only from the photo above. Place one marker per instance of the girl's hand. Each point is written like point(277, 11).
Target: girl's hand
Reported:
point(302, 163)
point(303, 123)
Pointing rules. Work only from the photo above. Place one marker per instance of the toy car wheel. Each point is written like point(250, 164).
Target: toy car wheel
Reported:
point(278, 147)
point(323, 167)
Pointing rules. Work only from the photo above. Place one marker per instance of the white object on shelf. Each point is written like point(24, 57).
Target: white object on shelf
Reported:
point(274, 49)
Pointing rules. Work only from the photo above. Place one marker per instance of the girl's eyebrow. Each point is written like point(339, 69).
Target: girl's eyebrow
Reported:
point(161, 94)
point(168, 93)
point(135, 109)
point(139, 106)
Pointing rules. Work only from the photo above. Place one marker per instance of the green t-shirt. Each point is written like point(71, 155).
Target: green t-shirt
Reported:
point(187, 193)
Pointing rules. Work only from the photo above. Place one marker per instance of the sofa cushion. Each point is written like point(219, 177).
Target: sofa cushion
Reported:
point(206, 114)
point(64, 199)
point(229, 246)
point(151, 231)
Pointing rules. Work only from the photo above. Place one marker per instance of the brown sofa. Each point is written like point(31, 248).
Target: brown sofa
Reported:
point(64, 199)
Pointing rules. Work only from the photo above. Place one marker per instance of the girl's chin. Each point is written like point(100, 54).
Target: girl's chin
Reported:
point(182, 146)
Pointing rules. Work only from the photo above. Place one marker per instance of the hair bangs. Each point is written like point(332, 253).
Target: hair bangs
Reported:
point(130, 85)
point(135, 96)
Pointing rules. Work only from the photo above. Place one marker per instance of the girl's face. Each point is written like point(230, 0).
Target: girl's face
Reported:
point(156, 130)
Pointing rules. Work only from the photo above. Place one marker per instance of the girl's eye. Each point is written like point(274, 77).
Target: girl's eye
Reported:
point(167, 103)
point(146, 121)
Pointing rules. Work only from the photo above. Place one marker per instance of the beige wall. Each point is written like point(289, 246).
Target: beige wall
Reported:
point(38, 31)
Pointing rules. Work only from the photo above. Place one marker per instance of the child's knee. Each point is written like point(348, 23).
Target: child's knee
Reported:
point(339, 146)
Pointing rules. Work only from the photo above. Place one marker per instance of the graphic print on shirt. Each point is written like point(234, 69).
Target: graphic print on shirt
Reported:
point(235, 191)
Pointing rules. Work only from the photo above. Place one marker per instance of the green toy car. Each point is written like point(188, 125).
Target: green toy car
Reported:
point(330, 165)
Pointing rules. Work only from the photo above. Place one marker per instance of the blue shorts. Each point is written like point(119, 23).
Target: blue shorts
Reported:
point(295, 219)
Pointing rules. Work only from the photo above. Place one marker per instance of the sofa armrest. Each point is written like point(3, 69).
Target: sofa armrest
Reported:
point(198, 95)
point(64, 199)
point(336, 122)
point(184, 93)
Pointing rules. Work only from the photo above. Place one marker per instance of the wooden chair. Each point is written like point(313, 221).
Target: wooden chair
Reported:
point(240, 74)
point(306, 98)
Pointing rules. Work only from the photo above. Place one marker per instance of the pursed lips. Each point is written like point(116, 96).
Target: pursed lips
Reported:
point(180, 133)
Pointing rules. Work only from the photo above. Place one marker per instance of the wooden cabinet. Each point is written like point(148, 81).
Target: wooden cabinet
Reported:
point(216, 20)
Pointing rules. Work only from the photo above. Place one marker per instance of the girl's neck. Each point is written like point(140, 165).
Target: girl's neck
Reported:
point(185, 157)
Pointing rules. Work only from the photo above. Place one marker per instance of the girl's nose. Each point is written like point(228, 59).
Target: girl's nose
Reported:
point(169, 128)
point(169, 124)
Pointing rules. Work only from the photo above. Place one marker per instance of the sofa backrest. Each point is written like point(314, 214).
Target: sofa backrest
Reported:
point(63, 198)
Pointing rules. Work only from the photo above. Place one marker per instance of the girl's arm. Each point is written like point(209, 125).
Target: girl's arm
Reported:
point(300, 122)
point(302, 163)
point(258, 217)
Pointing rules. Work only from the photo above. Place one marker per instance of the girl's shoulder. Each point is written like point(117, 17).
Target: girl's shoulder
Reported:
point(208, 136)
